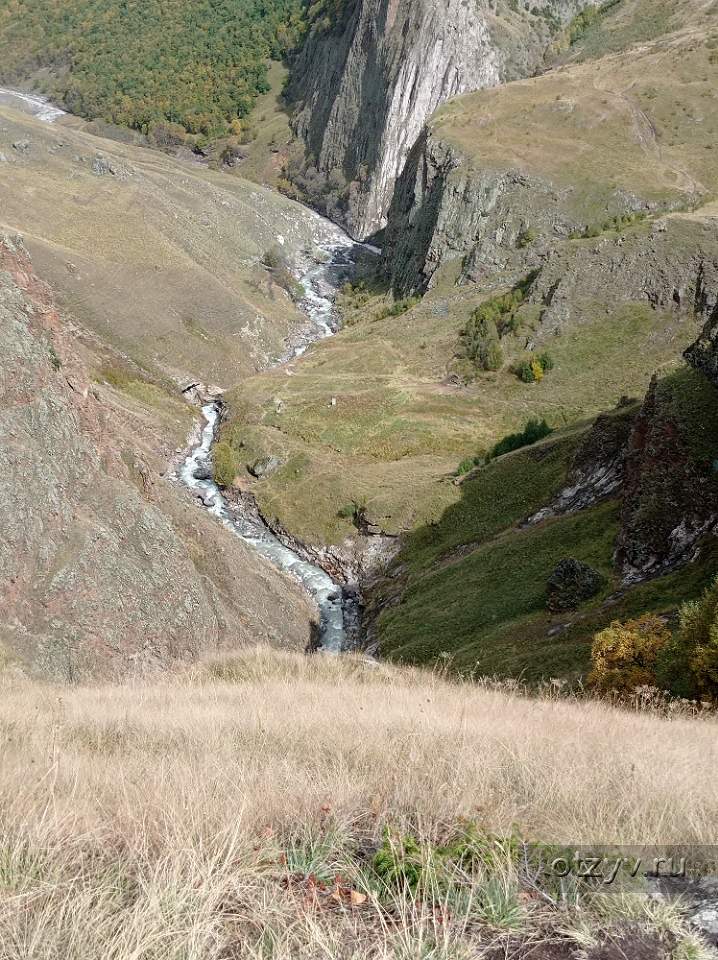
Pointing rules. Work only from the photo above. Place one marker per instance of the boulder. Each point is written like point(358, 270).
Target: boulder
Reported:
point(264, 467)
point(571, 584)
point(101, 167)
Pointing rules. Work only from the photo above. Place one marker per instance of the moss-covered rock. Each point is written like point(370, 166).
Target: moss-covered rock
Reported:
point(571, 584)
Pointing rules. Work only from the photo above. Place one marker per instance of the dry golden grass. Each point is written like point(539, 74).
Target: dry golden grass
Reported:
point(193, 818)
point(162, 260)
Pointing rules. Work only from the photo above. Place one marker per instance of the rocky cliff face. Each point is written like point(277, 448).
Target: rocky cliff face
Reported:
point(669, 265)
point(443, 209)
point(571, 153)
point(106, 568)
point(366, 84)
point(703, 354)
point(669, 495)
point(657, 460)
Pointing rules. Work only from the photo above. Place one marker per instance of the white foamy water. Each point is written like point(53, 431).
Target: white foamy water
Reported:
point(326, 593)
point(320, 282)
point(31, 103)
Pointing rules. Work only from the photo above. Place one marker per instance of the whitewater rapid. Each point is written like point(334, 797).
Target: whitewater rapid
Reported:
point(35, 105)
point(320, 281)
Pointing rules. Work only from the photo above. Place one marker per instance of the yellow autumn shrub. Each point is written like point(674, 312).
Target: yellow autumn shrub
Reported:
point(624, 655)
point(537, 370)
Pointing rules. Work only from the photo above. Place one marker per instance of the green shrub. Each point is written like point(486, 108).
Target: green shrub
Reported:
point(546, 361)
point(403, 863)
point(225, 464)
point(493, 358)
point(526, 238)
point(399, 862)
point(533, 369)
point(55, 360)
point(278, 263)
point(688, 667)
point(534, 431)
point(467, 465)
point(354, 511)
point(571, 584)
point(525, 371)
point(625, 655)
point(398, 309)
point(617, 223)
point(494, 319)
point(588, 18)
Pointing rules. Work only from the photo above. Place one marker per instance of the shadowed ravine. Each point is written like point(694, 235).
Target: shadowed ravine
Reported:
point(321, 282)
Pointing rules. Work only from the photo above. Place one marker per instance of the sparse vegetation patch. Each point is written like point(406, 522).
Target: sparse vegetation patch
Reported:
point(534, 431)
point(495, 319)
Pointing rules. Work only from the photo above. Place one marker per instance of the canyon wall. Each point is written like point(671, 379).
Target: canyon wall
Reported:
point(366, 82)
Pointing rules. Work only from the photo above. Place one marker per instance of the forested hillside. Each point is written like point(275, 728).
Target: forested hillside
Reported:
point(200, 64)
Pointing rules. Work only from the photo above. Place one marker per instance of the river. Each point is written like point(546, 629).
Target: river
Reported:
point(36, 106)
point(321, 281)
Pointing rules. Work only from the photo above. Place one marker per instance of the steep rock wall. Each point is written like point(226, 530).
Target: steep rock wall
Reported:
point(671, 264)
point(577, 151)
point(443, 209)
point(366, 85)
point(703, 354)
point(669, 495)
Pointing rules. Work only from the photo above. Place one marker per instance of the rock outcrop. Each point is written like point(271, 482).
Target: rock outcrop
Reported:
point(577, 151)
point(597, 470)
point(668, 265)
point(659, 461)
point(367, 82)
point(444, 209)
point(703, 354)
point(571, 584)
point(669, 496)
point(107, 569)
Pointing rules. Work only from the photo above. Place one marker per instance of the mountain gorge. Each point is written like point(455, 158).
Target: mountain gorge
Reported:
point(542, 183)
point(358, 590)
point(586, 191)
point(107, 570)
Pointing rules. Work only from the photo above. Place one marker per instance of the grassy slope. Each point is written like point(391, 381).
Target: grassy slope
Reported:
point(473, 586)
point(399, 429)
point(636, 22)
point(162, 260)
point(640, 121)
point(209, 815)
point(270, 131)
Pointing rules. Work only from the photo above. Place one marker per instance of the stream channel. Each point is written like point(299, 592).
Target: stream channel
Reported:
point(321, 281)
